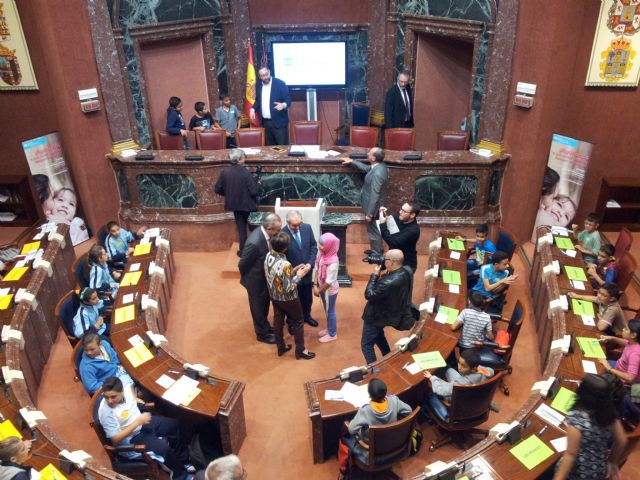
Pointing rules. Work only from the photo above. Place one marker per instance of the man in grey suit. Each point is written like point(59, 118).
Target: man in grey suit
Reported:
point(251, 266)
point(373, 193)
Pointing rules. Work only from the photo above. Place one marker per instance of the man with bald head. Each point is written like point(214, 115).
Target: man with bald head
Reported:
point(373, 193)
point(387, 295)
point(251, 266)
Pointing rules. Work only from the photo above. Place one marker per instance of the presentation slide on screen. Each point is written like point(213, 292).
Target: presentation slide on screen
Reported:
point(315, 64)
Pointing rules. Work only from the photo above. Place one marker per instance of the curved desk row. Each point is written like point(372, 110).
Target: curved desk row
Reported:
point(453, 188)
point(219, 403)
point(25, 353)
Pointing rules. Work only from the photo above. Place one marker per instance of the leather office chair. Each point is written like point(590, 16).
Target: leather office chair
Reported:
point(306, 132)
point(64, 312)
point(143, 466)
point(399, 138)
point(626, 268)
point(250, 137)
point(102, 235)
point(363, 136)
point(166, 141)
point(500, 362)
point(388, 444)
point(211, 140)
point(76, 356)
point(79, 270)
point(507, 242)
point(623, 243)
point(453, 140)
point(359, 115)
point(469, 407)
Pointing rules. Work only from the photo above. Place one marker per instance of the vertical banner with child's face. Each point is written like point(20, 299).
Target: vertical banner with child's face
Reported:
point(563, 181)
point(54, 185)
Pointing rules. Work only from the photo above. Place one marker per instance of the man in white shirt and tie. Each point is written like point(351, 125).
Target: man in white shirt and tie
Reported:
point(398, 103)
point(272, 107)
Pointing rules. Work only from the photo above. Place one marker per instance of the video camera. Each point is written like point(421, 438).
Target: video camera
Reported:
point(375, 259)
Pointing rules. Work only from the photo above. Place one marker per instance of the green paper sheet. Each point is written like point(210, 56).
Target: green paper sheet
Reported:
point(451, 313)
point(455, 244)
point(429, 360)
point(564, 243)
point(582, 307)
point(564, 400)
point(531, 452)
point(591, 347)
point(451, 276)
point(575, 273)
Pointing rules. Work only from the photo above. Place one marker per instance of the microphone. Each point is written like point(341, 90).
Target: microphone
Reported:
point(66, 466)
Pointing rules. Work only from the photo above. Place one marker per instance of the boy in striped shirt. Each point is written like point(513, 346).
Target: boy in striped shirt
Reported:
point(476, 324)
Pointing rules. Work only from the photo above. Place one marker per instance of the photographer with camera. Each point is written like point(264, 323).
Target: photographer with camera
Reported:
point(239, 187)
point(387, 295)
point(402, 232)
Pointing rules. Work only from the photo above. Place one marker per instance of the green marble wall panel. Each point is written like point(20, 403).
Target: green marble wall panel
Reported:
point(446, 192)
point(494, 187)
point(122, 185)
point(168, 190)
point(338, 189)
point(145, 12)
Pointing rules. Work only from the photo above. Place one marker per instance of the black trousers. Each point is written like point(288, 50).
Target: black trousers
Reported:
point(293, 311)
point(274, 135)
point(259, 306)
point(305, 294)
point(242, 219)
point(162, 436)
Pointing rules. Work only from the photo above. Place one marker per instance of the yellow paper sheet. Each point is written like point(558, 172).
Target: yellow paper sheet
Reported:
point(141, 249)
point(130, 278)
point(51, 473)
point(138, 355)
point(5, 301)
point(15, 274)
point(30, 247)
point(8, 430)
point(189, 399)
point(124, 314)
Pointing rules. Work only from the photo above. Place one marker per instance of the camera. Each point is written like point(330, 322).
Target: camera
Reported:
point(375, 259)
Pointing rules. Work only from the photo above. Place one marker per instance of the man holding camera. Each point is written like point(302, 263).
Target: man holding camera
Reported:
point(387, 295)
point(403, 232)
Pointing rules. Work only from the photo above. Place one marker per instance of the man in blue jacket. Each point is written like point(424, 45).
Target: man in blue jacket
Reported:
point(98, 362)
point(272, 107)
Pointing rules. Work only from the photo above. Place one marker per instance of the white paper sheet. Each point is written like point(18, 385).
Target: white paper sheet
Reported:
point(136, 340)
point(414, 368)
point(354, 394)
point(152, 232)
point(549, 415)
point(4, 291)
point(39, 236)
point(441, 317)
point(560, 231)
point(128, 298)
point(134, 267)
point(165, 381)
point(578, 285)
point(455, 255)
point(570, 253)
point(588, 320)
point(391, 225)
point(333, 395)
point(181, 389)
point(560, 444)
point(454, 288)
point(589, 367)
point(250, 151)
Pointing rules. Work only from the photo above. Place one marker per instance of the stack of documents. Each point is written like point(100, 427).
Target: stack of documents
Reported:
point(183, 391)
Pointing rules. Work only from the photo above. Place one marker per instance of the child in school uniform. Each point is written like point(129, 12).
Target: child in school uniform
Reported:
point(228, 118)
point(606, 270)
point(325, 282)
point(100, 279)
point(476, 324)
point(89, 317)
point(589, 238)
point(469, 373)
point(175, 122)
point(202, 120)
point(117, 243)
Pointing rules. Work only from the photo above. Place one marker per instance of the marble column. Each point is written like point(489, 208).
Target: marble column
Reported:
point(498, 75)
point(112, 80)
point(236, 27)
point(377, 69)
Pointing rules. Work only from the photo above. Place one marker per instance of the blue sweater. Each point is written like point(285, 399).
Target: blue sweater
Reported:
point(94, 371)
point(175, 122)
point(87, 316)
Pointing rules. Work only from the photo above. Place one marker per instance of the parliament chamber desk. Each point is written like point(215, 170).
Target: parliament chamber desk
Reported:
point(219, 404)
point(453, 188)
point(327, 416)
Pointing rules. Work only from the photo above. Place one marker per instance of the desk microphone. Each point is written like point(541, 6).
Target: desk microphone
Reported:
point(66, 465)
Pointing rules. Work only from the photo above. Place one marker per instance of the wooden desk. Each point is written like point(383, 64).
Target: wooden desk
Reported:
point(220, 401)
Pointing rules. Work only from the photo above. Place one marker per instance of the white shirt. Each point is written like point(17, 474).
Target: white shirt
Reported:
point(114, 420)
point(265, 108)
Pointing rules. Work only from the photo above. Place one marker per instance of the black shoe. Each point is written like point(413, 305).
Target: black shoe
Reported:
point(311, 322)
point(268, 338)
point(285, 350)
point(368, 252)
point(307, 356)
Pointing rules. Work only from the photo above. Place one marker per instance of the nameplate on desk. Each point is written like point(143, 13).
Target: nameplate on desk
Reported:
point(147, 302)
point(144, 156)
point(9, 375)
point(413, 156)
point(357, 155)
point(31, 417)
point(194, 158)
point(77, 457)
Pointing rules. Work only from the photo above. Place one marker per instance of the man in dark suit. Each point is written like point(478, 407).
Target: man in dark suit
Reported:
point(240, 191)
point(272, 107)
point(373, 193)
point(302, 250)
point(251, 266)
point(398, 103)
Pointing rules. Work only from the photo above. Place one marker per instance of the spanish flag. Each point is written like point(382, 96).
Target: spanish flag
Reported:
point(250, 92)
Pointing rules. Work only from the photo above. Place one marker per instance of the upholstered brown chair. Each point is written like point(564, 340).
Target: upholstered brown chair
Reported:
point(211, 140)
point(453, 140)
point(399, 138)
point(359, 115)
point(388, 445)
point(623, 244)
point(507, 242)
point(363, 136)
point(306, 132)
point(626, 268)
point(250, 137)
point(166, 141)
point(64, 312)
point(469, 407)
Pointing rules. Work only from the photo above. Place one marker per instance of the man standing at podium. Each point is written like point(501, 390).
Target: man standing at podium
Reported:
point(398, 103)
point(272, 106)
point(373, 193)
